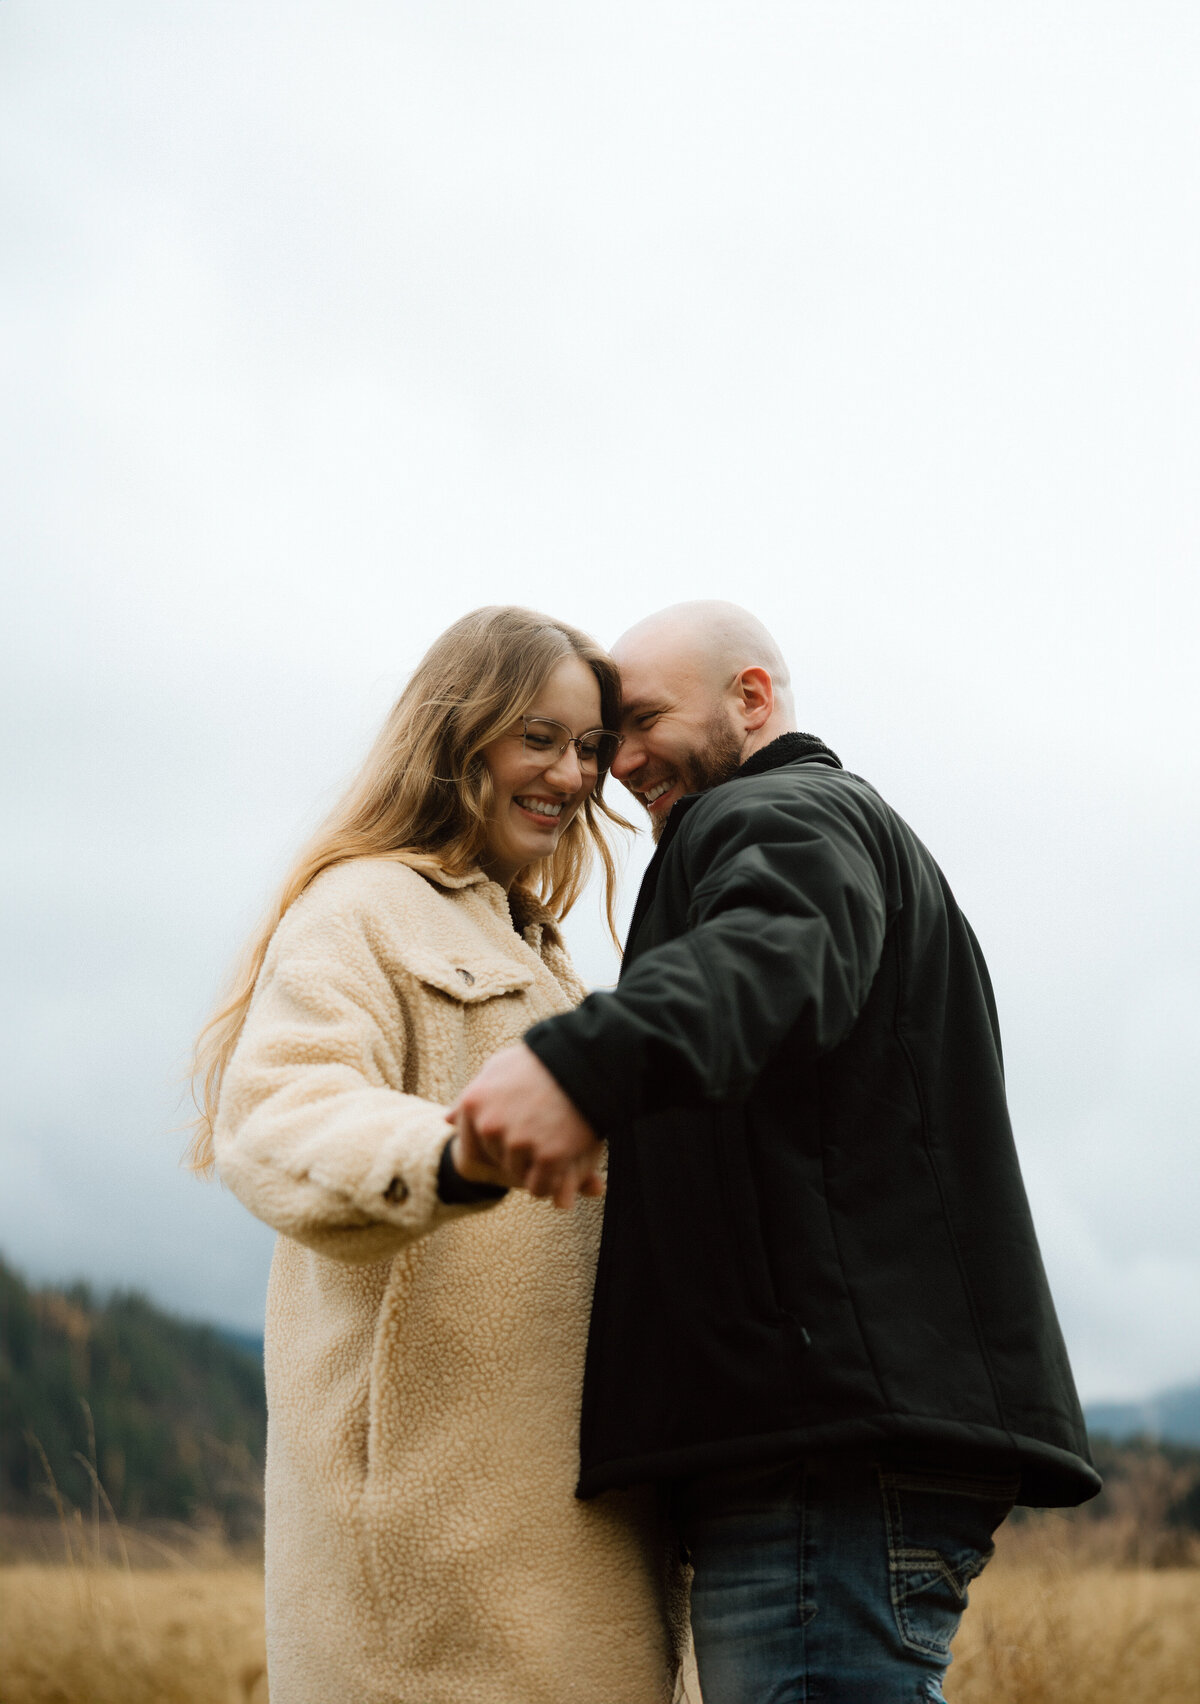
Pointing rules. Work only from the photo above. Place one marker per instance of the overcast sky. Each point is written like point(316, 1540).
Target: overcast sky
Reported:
point(324, 325)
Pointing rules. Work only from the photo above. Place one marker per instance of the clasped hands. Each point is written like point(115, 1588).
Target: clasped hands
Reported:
point(514, 1125)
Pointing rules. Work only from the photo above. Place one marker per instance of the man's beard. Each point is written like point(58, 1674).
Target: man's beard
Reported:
point(715, 761)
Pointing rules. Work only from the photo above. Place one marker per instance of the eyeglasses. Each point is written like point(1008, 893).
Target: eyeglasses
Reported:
point(547, 741)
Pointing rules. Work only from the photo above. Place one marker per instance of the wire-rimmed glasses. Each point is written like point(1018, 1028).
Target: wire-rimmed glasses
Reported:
point(547, 740)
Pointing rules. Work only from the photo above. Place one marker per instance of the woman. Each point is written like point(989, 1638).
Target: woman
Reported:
point(425, 1331)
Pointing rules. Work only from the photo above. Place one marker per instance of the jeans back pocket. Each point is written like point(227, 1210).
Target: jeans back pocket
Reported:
point(939, 1532)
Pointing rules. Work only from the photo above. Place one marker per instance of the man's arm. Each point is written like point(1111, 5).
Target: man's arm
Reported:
point(787, 914)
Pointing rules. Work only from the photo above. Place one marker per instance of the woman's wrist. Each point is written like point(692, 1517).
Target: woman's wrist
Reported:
point(471, 1183)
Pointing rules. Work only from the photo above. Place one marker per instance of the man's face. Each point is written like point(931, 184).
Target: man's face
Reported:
point(680, 732)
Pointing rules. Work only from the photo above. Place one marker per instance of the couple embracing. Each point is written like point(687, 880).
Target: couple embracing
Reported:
point(730, 1266)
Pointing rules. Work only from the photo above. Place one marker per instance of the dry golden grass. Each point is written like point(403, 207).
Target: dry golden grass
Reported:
point(1052, 1621)
point(110, 1635)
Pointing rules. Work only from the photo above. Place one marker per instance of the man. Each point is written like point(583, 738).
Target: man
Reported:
point(820, 1314)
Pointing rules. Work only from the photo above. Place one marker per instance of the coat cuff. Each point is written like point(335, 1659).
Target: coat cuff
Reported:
point(569, 1056)
point(456, 1190)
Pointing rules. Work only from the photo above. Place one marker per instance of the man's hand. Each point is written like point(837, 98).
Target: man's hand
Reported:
point(514, 1116)
point(469, 1159)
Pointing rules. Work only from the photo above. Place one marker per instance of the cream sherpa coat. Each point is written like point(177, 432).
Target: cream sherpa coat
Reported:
point(424, 1361)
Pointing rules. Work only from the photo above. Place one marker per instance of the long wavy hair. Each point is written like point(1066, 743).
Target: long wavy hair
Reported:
point(424, 797)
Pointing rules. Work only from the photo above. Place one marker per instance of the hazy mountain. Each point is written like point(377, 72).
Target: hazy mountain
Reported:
point(1173, 1417)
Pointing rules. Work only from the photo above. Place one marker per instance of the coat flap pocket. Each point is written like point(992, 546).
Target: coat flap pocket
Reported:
point(470, 977)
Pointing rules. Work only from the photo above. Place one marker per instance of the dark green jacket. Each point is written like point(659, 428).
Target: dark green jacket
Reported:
point(816, 1236)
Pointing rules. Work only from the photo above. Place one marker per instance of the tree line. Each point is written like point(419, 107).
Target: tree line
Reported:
point(114, 1400)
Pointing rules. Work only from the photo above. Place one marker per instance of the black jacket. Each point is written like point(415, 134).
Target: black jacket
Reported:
point(816, 1236)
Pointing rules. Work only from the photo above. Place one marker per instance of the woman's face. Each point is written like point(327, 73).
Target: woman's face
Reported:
point(538, 791)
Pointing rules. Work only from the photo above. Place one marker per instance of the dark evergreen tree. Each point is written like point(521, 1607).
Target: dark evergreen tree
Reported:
point(168, 1415)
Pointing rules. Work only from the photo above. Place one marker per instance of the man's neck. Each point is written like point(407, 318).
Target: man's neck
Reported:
point(789, 747)
point(766, 735)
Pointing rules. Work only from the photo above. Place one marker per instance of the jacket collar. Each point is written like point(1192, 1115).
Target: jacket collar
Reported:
point(788, 748)
point(785, 748)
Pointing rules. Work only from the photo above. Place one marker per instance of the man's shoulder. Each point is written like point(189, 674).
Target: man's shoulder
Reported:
point(803, 789)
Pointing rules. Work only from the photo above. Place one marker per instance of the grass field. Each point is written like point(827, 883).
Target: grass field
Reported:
point(110, 1635)
point(1044, 1629)
point(1047, 1625)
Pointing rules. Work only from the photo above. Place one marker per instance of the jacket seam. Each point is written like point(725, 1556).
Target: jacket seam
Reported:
point(927, 1147)
point(831, 1218)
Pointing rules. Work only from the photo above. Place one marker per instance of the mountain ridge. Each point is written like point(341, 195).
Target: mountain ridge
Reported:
point(1171, 1416)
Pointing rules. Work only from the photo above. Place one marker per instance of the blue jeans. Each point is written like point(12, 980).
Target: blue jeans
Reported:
point(833, 1580)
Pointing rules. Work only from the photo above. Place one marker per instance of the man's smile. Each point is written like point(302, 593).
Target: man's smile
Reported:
point(658, 799)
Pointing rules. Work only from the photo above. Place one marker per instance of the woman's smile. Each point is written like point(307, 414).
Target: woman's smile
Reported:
point(544, 811)
point(539, 782)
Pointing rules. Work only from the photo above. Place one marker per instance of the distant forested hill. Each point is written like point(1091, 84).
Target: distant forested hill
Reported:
point(171, 1416)
point(1173, 1416)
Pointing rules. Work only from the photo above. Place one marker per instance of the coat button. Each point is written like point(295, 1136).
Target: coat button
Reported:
point(467, 977)
point(396, 1192)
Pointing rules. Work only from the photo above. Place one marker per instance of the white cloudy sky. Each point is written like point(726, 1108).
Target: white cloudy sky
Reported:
point(322, 325)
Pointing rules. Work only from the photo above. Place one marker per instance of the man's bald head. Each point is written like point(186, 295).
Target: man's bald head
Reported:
point(717, 639)
point(703, 686)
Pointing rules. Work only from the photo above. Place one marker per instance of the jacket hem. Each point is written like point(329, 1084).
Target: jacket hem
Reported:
point(1050, 1477)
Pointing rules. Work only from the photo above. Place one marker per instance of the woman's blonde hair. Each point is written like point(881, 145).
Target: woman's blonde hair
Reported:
point(424, 797)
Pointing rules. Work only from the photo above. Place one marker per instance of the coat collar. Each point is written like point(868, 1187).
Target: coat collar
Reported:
point(442, 878)
point(787, 748)
point(530, 918)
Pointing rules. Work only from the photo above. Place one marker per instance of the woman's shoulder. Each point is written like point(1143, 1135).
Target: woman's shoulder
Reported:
point(428, 926)
point(374, 877)
point(361, 895)
point(355, 884)
point(434, 926)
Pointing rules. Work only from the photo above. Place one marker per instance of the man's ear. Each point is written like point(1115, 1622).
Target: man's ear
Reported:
point(756, 697)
